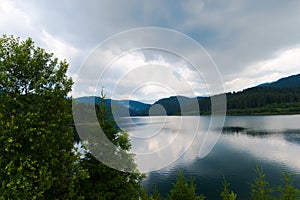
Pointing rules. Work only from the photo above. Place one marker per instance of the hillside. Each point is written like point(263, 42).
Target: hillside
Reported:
point(119, 107)
point(279, 97)
point(290, 81)
point(173, 104)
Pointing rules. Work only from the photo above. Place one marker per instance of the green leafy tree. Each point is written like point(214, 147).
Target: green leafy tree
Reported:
point(260, 189)
point(226, 194)
point(36, 159)
point(182, 190)
point(105, 182)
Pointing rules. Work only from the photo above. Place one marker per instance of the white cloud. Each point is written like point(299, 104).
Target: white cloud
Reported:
point(61, 48)
point(284, 63)
point(14, 20)
point(140, 75)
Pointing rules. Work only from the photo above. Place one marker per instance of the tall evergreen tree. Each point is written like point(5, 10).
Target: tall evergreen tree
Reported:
point(183, 190)
point(105, 182)
point(226, 193)
point(288, 191)
point(260, 189)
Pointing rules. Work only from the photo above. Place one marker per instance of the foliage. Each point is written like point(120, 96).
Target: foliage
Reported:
point(105, 182)
point(154, 196)
point(226, 194)
point(36, 159)
point(261, 96)
point(288, 191)
point(182, 190)
point(260, 189)
point(257, 100)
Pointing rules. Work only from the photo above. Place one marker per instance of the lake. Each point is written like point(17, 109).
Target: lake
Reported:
point(164, 145)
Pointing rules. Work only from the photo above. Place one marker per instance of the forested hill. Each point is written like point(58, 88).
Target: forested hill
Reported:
point(121, 107)
point(291, 81)
point(265, 100)
point(173, 104)
point(256, 100)
point(280, 97)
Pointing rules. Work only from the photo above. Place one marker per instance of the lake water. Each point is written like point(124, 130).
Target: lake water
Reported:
point(164, 145)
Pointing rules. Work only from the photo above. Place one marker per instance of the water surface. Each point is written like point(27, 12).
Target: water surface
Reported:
point(272, 142)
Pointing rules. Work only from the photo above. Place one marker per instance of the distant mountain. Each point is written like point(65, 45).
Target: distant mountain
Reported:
point(89, 100)
point(122, 107)
point(290, 81)
point(119, 107)
point(282, 96)
point(173, 105)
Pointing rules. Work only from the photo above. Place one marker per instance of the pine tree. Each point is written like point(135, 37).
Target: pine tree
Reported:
point(105, 182)
point(182, 190)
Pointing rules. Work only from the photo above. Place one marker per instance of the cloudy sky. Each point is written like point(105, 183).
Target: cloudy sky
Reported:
point(249, 42)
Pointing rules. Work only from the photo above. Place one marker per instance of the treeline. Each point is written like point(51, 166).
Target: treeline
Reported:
point(262, 96)
point(257, 100)
point(265, 99)
point(259, 189)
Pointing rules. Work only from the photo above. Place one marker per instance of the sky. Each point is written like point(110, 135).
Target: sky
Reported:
point(247, 42)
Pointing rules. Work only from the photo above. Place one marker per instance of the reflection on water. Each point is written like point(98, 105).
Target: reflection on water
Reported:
point(272, 142)
point(160, 141)
point(290, 135)
point(269, 148)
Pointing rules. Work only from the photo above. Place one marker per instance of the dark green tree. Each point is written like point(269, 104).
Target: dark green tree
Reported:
point(226, 194)
point(260, 189)
point(183, 190)
point(36, 159)
point(288, 191)
point(155, 195)
point(105, 182)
